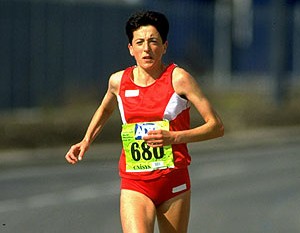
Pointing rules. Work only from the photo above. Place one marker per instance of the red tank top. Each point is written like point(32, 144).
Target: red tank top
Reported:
point(155, 102)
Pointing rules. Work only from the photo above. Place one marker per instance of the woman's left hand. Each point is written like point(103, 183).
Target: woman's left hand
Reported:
point(159, 138)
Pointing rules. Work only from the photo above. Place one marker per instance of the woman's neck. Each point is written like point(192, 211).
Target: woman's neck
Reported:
point(144, 77)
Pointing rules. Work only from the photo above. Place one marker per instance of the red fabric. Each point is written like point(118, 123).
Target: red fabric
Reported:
point(150, 104)
point(161, 189)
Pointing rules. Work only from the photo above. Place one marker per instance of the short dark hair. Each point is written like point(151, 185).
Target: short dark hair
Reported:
point(145, 18)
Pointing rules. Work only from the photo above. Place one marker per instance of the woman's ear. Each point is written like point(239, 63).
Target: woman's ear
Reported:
point(130, 49)
point(165, 46)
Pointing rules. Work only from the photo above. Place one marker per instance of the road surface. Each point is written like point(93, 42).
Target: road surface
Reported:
point(241, 184)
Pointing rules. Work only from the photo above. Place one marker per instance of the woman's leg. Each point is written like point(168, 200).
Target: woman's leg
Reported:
point(173, 215)
point(137, 212)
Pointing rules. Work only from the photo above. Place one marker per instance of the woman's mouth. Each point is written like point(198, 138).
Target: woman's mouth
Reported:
point(147, 57)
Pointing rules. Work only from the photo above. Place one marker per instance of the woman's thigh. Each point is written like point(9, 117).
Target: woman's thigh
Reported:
point(137, 212)
point(173, 215)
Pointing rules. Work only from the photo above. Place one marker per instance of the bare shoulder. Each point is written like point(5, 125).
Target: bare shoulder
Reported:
point(180, 73)
point(116, 77)
point(115, 80)
point(183, 82)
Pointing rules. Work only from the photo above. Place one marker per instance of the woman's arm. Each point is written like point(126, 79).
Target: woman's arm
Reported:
point(185, 85)
point(100, 117)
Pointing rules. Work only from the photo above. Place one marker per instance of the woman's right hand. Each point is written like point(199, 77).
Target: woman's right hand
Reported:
point(76, 152)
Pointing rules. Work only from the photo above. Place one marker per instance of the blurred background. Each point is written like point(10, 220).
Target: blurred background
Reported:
point(56, 57)
point(55, 60)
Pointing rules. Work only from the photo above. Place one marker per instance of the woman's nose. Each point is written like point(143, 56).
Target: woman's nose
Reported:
point(146, 47)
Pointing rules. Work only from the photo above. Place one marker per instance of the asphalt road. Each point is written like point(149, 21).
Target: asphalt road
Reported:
point(246, 183)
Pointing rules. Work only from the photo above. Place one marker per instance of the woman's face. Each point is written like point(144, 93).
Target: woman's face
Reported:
point(147, 47)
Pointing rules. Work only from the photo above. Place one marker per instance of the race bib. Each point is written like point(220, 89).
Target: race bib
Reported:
point(139, 156)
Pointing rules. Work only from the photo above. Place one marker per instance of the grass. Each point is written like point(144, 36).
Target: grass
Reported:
point(54, 126)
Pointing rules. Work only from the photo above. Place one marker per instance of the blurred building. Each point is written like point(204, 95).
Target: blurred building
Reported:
point(54, 50)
